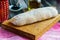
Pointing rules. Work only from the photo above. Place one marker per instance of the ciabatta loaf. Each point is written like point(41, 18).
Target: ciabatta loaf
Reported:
point(34, 15)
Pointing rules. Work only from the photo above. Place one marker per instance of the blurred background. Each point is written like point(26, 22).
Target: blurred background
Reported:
point(26, 5)
point(10, 8)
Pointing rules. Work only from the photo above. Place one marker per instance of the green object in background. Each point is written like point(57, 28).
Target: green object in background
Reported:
point(33, 4)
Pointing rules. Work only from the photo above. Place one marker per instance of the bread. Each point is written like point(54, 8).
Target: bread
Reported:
point(34, 15)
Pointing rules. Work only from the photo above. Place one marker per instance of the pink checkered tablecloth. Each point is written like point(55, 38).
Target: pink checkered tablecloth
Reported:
point(52, 34)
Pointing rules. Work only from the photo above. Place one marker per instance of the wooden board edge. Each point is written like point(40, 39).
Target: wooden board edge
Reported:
point(19, 32)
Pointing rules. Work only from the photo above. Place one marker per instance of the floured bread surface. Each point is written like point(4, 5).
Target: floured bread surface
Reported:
point(34, 15)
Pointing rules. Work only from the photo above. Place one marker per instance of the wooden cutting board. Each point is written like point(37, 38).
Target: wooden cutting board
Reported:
point(31, 31)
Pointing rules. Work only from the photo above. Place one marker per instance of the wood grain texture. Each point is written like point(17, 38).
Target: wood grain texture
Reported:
point(32, 31)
